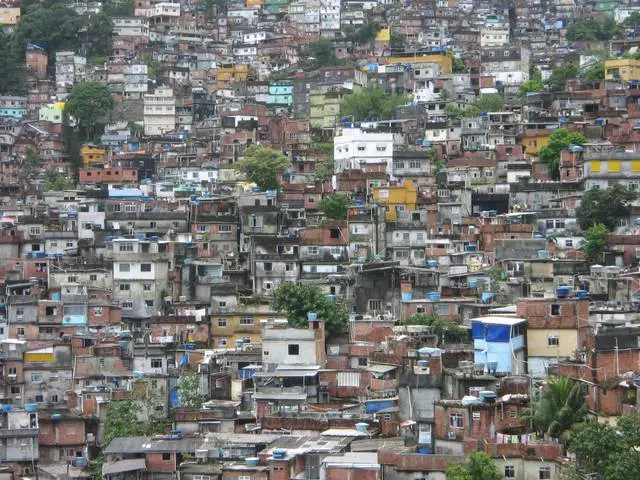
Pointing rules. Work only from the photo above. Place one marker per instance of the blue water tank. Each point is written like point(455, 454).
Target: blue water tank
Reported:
point(433, 296)
point(425, 451)
point(140, 236)
point(155, 238)
point(359, 202)
point(563, 291)
point(56, 417)
point(109, 238)
point(252, 461)
point(312, 317)
point(79, 462)
point(407, 296)
point(432, 264)
point(56, 296)
point(30, 407)
point(279, 453)
point(472, 247)
point(362, 427)
point(582, 294)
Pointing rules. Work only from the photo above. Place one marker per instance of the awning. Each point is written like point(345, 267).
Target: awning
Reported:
point(378, 368)
point(123, 466)
point(288, 373)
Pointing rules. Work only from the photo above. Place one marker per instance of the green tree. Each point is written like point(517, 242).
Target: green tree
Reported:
point(371, 103)
point(51, 26)
point(336, 206)
point(594, 242)
point(479, 466)
point(457, 63)
point(122, 421)
point(632, 20)
point(446, 331)
point(367, 32)
point(589, 29)
point(88, 103)
point(594, 72)
point(560, 75)
point(559, 140)
point(56, 181)
point(530, 87)
point(298, 299)
point(322, 52)
point(118, 8)
point(609, 452)
point(489, 103)
point(557, 407)
point(14, 70)
point(188, 387)
point(99, 29)
point(263, 166)
point(398, 41)
point(604, 207)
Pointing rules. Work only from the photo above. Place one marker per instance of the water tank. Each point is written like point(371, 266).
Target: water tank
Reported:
point(312, 317)
point(279, 453)
point(362, 427)
point(155, 238)
point(359, 202)
point(252, 461)
point(543, 254)
point(109, 238)
point(563, 291)
point(79, 462)
point(56, 296)
point(433, 296)
point(582, 294)
point(30, 407)
point(432, 264)
point(472, 247)
point(56, 417)
point(407, 296)
point(488, 396)
point(140, 236)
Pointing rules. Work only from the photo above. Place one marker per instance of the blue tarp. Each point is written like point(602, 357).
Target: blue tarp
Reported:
point(498, 333)
point(373, 407)
point(477, 330)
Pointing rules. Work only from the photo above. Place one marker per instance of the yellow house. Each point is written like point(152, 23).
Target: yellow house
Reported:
point(42, 355)
point(245, 326)
point(324, 107)
point(396, 198)
point(254, 3)
point(228, 73)
point(9, 17)
point(444, 61)
point(624, 69)
point(90, 155)
point(534, 140)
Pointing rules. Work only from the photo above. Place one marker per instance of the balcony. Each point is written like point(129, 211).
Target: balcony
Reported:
point(18, 432)
point(209, 280)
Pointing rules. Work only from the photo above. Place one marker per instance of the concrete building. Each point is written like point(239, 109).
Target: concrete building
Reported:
point(159, 112)
point(354, 149)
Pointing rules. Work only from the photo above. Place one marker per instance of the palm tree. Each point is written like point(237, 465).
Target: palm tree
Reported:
point(558, 406)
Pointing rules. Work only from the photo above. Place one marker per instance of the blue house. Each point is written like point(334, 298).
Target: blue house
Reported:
point(499, 344)
point(280, 93)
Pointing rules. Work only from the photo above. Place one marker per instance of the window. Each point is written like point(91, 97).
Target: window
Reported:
point(568, 243)
point(124, 267)
point(35, 247)
point(202, 228)
point(146, 287)
point(544, 473)
point(224, 228)
point(20, 330)
point(555, 309)
point(509, 471)
point(97, 311)
point(39, 398)
point(456, 420)
point(246, 320)
point(54, 398)
point(222, 342)
point(19, 312)
point(549, 224)
point(553, 341)
point(93, 277)
point(126, 304)
point(166, 456)
point(363, 362)
point(148, 303)
point(15, 390)
point(145, 267)
point(222, 322)
point(126, 247)
point(156, 363)
point(125, 287)
point(415, 164)
point(334, 233)
point(560, 224)
point(37, 378)
point(442, 309)
point(294, 349)
point(268, 266)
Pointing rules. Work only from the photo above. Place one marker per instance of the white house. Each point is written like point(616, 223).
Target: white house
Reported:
point(353, 148)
